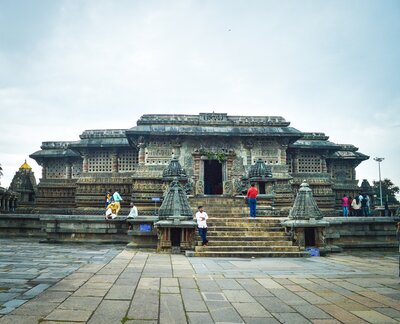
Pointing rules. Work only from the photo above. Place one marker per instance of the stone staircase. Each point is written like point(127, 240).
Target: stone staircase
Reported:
point(231, 233)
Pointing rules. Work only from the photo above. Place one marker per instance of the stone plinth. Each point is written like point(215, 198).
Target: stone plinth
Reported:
point(143, 233)
point(175, 236)
point(73, 228)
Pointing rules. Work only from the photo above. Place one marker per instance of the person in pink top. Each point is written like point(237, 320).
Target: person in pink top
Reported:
point(345, 205)
point(252, 193)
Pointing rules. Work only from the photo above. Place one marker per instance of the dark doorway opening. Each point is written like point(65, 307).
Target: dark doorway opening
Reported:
point(261, 188)
point(175, 237)
point(212, 177)
point(309, 236)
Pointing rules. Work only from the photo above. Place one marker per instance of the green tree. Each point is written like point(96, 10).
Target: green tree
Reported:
point(389, 191)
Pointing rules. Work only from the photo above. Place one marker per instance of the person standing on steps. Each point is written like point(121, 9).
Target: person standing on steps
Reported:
point(345, 205)
point(252, 193)
point(117, 200)
point(201, 217)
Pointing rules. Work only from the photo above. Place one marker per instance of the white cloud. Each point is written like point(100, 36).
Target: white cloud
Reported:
point(327, 67)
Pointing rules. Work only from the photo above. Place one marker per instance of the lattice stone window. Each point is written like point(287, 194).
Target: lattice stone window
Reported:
point(76, 169)
point(127, 161)
point(309, 163)
point(56, 170)
point(100, 161)
point(342, 171)
point(266, 160)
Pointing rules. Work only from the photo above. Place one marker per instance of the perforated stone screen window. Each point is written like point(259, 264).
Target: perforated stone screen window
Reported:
point(56, 170)
point(76, 169)
point(266, 160)
point(100, 161)
point(309, 163)
point(127, 161)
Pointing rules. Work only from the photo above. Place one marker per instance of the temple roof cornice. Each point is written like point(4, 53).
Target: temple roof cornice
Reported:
point(185, 130)
point(221, 119)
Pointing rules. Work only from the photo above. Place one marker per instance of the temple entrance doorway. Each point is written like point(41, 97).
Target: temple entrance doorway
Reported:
point(212, 177)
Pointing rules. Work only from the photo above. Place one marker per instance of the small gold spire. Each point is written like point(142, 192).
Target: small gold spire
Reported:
point(25, 166)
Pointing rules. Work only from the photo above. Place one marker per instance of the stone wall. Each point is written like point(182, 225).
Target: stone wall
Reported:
point(64, 228)
point(362, 232)
point(342, 233)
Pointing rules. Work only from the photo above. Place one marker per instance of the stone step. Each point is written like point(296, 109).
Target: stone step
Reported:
point(248, 238)
point(242, 216)
point(242, 233)
point(243, 223)
point(247, 243)
point(251, 254)
point(236, 248)
point(247, 228)
point(248, 220)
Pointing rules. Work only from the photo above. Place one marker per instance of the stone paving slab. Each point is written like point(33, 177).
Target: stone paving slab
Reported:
point(106, 284)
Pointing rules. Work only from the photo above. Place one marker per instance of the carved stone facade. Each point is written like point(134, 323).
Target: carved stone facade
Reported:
point(215, 150)
point(24, 183)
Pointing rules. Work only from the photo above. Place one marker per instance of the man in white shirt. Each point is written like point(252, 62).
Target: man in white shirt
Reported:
point(134, 212)
point(201, 217)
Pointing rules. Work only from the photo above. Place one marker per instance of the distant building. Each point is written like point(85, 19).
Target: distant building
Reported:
point(24, 183)
point(220, 155)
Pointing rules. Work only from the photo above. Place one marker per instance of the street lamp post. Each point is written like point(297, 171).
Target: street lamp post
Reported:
point(379, 160)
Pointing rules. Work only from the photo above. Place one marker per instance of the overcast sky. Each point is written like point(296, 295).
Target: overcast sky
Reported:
point(325, 66)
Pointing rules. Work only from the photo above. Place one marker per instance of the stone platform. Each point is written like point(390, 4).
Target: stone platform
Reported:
point(45, 283)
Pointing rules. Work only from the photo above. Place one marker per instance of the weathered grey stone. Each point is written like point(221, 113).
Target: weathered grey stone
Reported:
point(192, 300)
point(223, 312)
point(199, 318)
point(120, 292)
point(110, 311)
point(311, 312)
point(291, 318)
point(274, 305)
point(171, 309)
point(145, 304)
point(69, 315)
point(251, 310)
point(80, 303)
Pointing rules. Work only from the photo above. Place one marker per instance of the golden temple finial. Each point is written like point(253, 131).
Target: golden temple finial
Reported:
point(25, 166)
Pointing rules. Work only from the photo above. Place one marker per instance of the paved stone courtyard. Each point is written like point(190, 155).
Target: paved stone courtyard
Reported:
point(42, 283)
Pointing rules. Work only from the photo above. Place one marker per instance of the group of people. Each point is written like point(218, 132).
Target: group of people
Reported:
point(357, 206)
point(113, 206)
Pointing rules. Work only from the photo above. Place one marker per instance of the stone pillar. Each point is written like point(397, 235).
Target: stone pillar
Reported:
point(68, 170)
point(85, 164)
point(283, 154)
point(248, 146)
point(44, 171)
point(7, 205)
point(324, 168)
point(295, 162)
point(114, 162)
point(142, 153)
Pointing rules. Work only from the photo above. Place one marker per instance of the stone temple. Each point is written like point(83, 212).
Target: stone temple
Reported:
point(216, 155)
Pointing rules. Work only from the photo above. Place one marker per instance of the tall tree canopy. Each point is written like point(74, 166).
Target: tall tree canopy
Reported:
point(389, 191)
